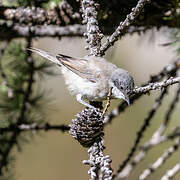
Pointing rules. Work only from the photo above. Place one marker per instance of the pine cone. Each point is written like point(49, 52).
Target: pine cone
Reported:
point(87, 127)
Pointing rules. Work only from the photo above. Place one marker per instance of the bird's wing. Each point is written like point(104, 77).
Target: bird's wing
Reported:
point(78, 66)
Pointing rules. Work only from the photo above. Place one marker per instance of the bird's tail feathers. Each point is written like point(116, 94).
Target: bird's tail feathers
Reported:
point(45, 54)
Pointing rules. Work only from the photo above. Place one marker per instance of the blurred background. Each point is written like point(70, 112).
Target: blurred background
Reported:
point(55, 155)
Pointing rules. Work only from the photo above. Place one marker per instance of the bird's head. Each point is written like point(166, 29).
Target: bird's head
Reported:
point(122, 85)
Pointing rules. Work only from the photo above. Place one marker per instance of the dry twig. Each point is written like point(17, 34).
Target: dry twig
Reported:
point(172, 172)
point(161, 160)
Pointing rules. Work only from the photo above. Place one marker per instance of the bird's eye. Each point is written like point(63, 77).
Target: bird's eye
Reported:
point(121, 88)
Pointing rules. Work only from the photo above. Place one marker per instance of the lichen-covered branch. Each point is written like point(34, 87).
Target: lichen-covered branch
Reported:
point(16, 31)
point(130, 18)
point(29, 15)
point(93, 35)
point(98, 162)
point(37, 16)
point(161, 160)
point(172, 172)
point(158, 85)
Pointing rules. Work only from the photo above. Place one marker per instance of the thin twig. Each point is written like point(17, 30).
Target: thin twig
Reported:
point(172, 172)
point(140, 133)
point(34, 127)
point(161, 160)
point(130, 18)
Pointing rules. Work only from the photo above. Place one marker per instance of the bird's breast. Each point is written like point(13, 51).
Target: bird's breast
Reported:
point(89, 90)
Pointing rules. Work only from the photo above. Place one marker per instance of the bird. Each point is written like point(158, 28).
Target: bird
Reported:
point(92, 77)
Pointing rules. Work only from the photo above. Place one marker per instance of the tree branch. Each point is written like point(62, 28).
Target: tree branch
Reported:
point(121, 29)
point(38, 16)
point(98, 161)
point(16, 31)
point(158, 85)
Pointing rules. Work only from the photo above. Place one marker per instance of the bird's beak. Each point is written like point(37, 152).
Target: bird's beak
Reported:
point(127, 100)
point(124, 96)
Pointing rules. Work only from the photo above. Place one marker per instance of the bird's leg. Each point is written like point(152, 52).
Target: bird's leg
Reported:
point(108, 102)
point(79, 99)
